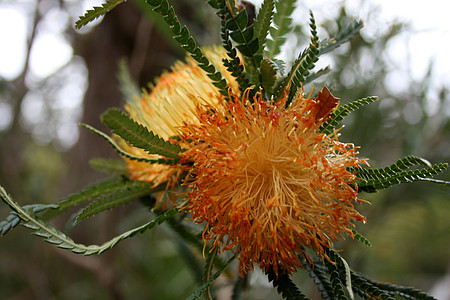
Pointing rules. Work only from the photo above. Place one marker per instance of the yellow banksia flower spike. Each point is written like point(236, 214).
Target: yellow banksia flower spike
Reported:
point(170, 102)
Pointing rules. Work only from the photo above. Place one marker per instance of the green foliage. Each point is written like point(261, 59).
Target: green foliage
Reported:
point(51, 235)
point(198, 292)
point(320, 277)
point(358, 236)
point(283, 22)
point(234, 63)
point(187, 42)
point(128, 87)
point(301, 66)
point(87, 194)
point(235, 26)
point(336, 282)
point(96, 12)
point(284, 285)
point(209, 264)
point(375, 179)
point(132, 192)
point(262, 23)
point(138, 135)
point(368, 288)
point(328, 126)
point(313, 76)
point(126, 154)
point(14, 219)
point(110, 166)
point(244, 42)
point(242, 34)
point(269, 72)
point(342, 37)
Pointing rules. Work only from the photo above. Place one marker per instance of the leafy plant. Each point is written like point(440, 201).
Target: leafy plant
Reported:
point(182, 162)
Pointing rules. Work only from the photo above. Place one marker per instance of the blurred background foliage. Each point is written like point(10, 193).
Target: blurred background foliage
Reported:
point(408, 224)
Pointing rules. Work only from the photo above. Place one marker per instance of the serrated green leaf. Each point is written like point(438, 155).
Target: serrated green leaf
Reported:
point(238, 22)
point(92, 192)
point(123, 152)
point(358, 236)
point(248, 49)
point(268, 75)
point(122, 197)
point(283, 22)
point(96, 12)
point(53, 236)
point(262, 23)
point(138, 135)
point(301, 66)
point(341, 112)
point(376, 179)
point(342, 37)
point(242, 36)
point(111, 166)
point(187, 42)
point(284, 285)
point(233, 64)
point(317, 74)
point(317, 272)
point(348, 278)
point(14, 219)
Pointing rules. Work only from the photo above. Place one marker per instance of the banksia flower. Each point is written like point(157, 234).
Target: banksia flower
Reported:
point(171, 102)
point(261, 175)
point(267, 182)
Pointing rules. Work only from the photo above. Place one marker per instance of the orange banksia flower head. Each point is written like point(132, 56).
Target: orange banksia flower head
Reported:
point(265, 180)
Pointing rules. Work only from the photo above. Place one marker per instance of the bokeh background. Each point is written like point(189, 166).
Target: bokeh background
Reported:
point(52, 77)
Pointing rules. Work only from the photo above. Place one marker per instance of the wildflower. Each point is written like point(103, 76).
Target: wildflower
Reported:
point(171, 102)
point(262, 177)
point(267, 182)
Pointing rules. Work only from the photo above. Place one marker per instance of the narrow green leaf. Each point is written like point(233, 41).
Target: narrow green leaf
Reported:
point(241, 34)
point(128, 87)
point(328, 126)
point(14, 219)
point(262, 23)
point(283, 22)
point(87, 194)
point(209, 264)
point(198, 292)
point(138, 135)
point(135, 191)
point(317, 74)
point(183, 37)
point(341, 38)
point(234, 63)
point(386, 177)
point(358, 236)
point(285, 286)
point(348, 279)
point(300, 69)
point(53, 236)
point(337, 274)
point(96, 12)
point(318, 272)
point(126, 154)
point(268, 75)
point(111, 166)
